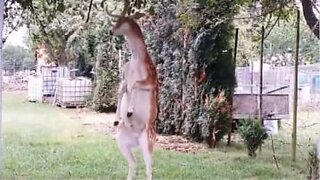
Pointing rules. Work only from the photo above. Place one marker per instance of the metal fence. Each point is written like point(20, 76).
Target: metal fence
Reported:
point(280, 80)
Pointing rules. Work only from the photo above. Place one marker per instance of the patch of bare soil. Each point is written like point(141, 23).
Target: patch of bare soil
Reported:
point(178, 143)
point(17, 82)
point(103, 123)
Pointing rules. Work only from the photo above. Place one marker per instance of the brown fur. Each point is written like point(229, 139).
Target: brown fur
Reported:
point(152, 81)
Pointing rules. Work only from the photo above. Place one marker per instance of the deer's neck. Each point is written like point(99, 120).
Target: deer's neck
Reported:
point(138, 47)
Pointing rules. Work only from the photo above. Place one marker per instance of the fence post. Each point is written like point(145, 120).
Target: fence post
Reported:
point(295, 91)
point(1, 80)
point(261, 76)
point(261, 80)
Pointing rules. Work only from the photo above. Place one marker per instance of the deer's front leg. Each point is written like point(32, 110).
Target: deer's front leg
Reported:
point(138, 85)
point(122, 90)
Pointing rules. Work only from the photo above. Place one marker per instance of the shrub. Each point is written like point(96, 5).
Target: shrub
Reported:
point(253, 135)
point(194, 60)
point(218, 123)
point(107, 76)
point(313, 163)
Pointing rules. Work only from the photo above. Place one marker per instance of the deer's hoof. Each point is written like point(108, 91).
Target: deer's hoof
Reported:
point(115, 123)
point(129, 114)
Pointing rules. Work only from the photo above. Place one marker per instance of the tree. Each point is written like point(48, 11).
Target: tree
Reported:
point(107, 71)
point(16, 58)
point(14, 15)
point(195, 66)
point(281, 41)
point(57, 24)
point(250, 19)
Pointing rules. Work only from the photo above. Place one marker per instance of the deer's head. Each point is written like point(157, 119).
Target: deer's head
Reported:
point(125, 24)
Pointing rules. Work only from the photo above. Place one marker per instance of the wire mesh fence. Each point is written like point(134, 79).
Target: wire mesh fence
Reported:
point(278, 72)
point(278, 61)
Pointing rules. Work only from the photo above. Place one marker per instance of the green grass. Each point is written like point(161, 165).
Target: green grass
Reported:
point(44, 142)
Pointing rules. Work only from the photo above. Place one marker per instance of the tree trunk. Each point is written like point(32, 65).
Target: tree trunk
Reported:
point(310, 17)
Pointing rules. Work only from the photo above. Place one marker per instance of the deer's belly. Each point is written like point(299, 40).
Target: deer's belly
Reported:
point(142, 104)
point(142, 107)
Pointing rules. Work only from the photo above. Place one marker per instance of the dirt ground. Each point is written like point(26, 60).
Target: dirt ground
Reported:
point(103, 123)
point(308, 124)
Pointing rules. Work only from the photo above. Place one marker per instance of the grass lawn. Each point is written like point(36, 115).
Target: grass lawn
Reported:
point(46, 142)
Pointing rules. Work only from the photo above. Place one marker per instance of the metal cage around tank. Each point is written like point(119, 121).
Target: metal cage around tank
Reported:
point(73, 92)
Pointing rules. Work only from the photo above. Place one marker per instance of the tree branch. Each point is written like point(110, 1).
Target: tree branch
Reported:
point(221, 20)
point(272, 26)
point(274, 157)
point(310, 125)
point(4, 39)
point(310, 17)
point(88, 16)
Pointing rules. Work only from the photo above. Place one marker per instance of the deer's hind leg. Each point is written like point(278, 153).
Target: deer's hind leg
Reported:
point(126, 141)
point(146, 149)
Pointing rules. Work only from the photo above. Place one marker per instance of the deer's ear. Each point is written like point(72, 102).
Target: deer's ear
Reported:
point(137, 15)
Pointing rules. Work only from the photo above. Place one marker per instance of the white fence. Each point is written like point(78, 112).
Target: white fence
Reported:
point(280, 80)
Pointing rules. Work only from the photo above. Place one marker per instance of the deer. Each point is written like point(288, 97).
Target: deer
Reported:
point(137, 106)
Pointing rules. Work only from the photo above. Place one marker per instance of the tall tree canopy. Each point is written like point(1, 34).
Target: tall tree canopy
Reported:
point(16, 58)
point(14, 15)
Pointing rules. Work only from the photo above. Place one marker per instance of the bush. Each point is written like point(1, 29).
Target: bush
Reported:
point(194, 61)
point(253, 135)
point(313, 163)
point(107, 76)
point(219, 122)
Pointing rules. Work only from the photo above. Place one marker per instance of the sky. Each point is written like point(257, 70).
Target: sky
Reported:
point(16, 37)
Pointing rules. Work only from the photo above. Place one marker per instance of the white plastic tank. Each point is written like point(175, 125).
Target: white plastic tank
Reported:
point(271, 126)
point(35, 88)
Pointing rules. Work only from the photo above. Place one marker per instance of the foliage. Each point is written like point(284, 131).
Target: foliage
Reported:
point(105, 92)
point(279, 44)
point(279, 18)
point(63, 27)
point(313, 163)
point(14, 16)
point(281, 41)
point(194, 62)
point(16, 58)
point(250, 19)
point(55, 24)
point(253, 135)
point(216, 126)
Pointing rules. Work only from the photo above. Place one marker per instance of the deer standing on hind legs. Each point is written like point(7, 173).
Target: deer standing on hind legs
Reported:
point(137, 108)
